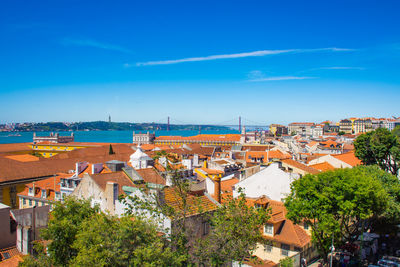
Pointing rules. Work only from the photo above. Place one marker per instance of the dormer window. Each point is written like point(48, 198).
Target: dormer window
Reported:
point(269, 229)
point(30, 192)
point(43, 193)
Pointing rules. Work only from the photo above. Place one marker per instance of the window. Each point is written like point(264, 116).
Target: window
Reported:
point(269, 229)
point(30, 202)
point(44, 193)
point(24, 201)
point(206, 228)
point(285, 250)
point(30, 190)
point(267, 248)
point(306, 226)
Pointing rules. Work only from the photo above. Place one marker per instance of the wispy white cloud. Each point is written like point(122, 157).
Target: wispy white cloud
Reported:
point(340, 68)
point(259, 76)
point(282, 78)
point(95, 44)
point(259, 53)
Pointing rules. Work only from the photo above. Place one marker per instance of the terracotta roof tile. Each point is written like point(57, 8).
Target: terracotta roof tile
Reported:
point(300, 166)
point(348, 158)
point(195, 204)
point(23, 157)
point(150, 175)
point(324, 166)
point(118, 177)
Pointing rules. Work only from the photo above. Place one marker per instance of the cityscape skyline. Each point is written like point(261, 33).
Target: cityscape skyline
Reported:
point(199, 63)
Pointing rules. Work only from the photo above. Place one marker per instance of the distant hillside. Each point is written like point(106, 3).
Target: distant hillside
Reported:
point(111, 126)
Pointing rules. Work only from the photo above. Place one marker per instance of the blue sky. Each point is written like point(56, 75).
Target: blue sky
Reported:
point(198, 61)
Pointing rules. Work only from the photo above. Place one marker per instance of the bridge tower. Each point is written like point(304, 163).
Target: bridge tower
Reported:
point(240, 123)
point(168, 124)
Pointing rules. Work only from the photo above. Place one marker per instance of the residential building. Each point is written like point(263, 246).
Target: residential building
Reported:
point(302, 128)
point(29, 223)
point(362, 126)
point(345, 160)
point(293, 166)
point(40, 193)
point(390, 124)
point(271, 182)
point(7, 228)
point(346, 126)
point(278, 130)
point(283, 237)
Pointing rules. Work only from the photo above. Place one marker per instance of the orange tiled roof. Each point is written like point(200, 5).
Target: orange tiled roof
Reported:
point(51, 185)
point(117, 177)
point(348, 158)
point(300, 166)
point(324, 166)
point(150, 175)
point(9, 148)
point(14, 257)
point(12, 262)
point(23, 157)
point(226, 186)
point(285, 231)
point(195, 204)
point(203, 137)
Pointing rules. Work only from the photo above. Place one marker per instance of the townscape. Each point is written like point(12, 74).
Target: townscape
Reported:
point(204, 133)
point(261, 167)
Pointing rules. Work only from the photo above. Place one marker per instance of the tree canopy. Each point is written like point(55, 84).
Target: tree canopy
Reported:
point(337, 203)
point(380, 147)
point(235, 232)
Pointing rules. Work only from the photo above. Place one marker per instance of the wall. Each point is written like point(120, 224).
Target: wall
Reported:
point(275, 255)
point(8, 236)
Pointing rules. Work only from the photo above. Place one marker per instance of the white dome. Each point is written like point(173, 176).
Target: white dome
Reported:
point(139, 155)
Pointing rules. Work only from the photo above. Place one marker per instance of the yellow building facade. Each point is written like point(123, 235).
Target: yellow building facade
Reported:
point(48, 150)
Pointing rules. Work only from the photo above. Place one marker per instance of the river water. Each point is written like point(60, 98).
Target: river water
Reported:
point(101, 136)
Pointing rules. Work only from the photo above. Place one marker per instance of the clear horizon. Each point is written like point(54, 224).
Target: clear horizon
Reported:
point(199, 62)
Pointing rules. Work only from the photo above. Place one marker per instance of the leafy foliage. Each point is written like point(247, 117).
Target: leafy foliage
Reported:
point(379, 147)
point(107, 241)
point(336, 203)
point(286, 262)
point(235, 232)
point(65, 222)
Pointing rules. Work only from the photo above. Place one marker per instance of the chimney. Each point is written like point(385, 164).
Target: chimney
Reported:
point(217, 188)
point(111, 193)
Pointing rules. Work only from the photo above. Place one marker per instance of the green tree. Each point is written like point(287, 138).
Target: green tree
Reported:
point(104, 240)
point(231, 239)
point(396, 132)
point(336, 203)
point(379, 147)
point(65, 222)
point(111, 150)
point(391, 184)
point(286, 262)
point(341, 133)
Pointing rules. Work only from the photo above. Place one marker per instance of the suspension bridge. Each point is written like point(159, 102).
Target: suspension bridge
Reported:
point(235, 123)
